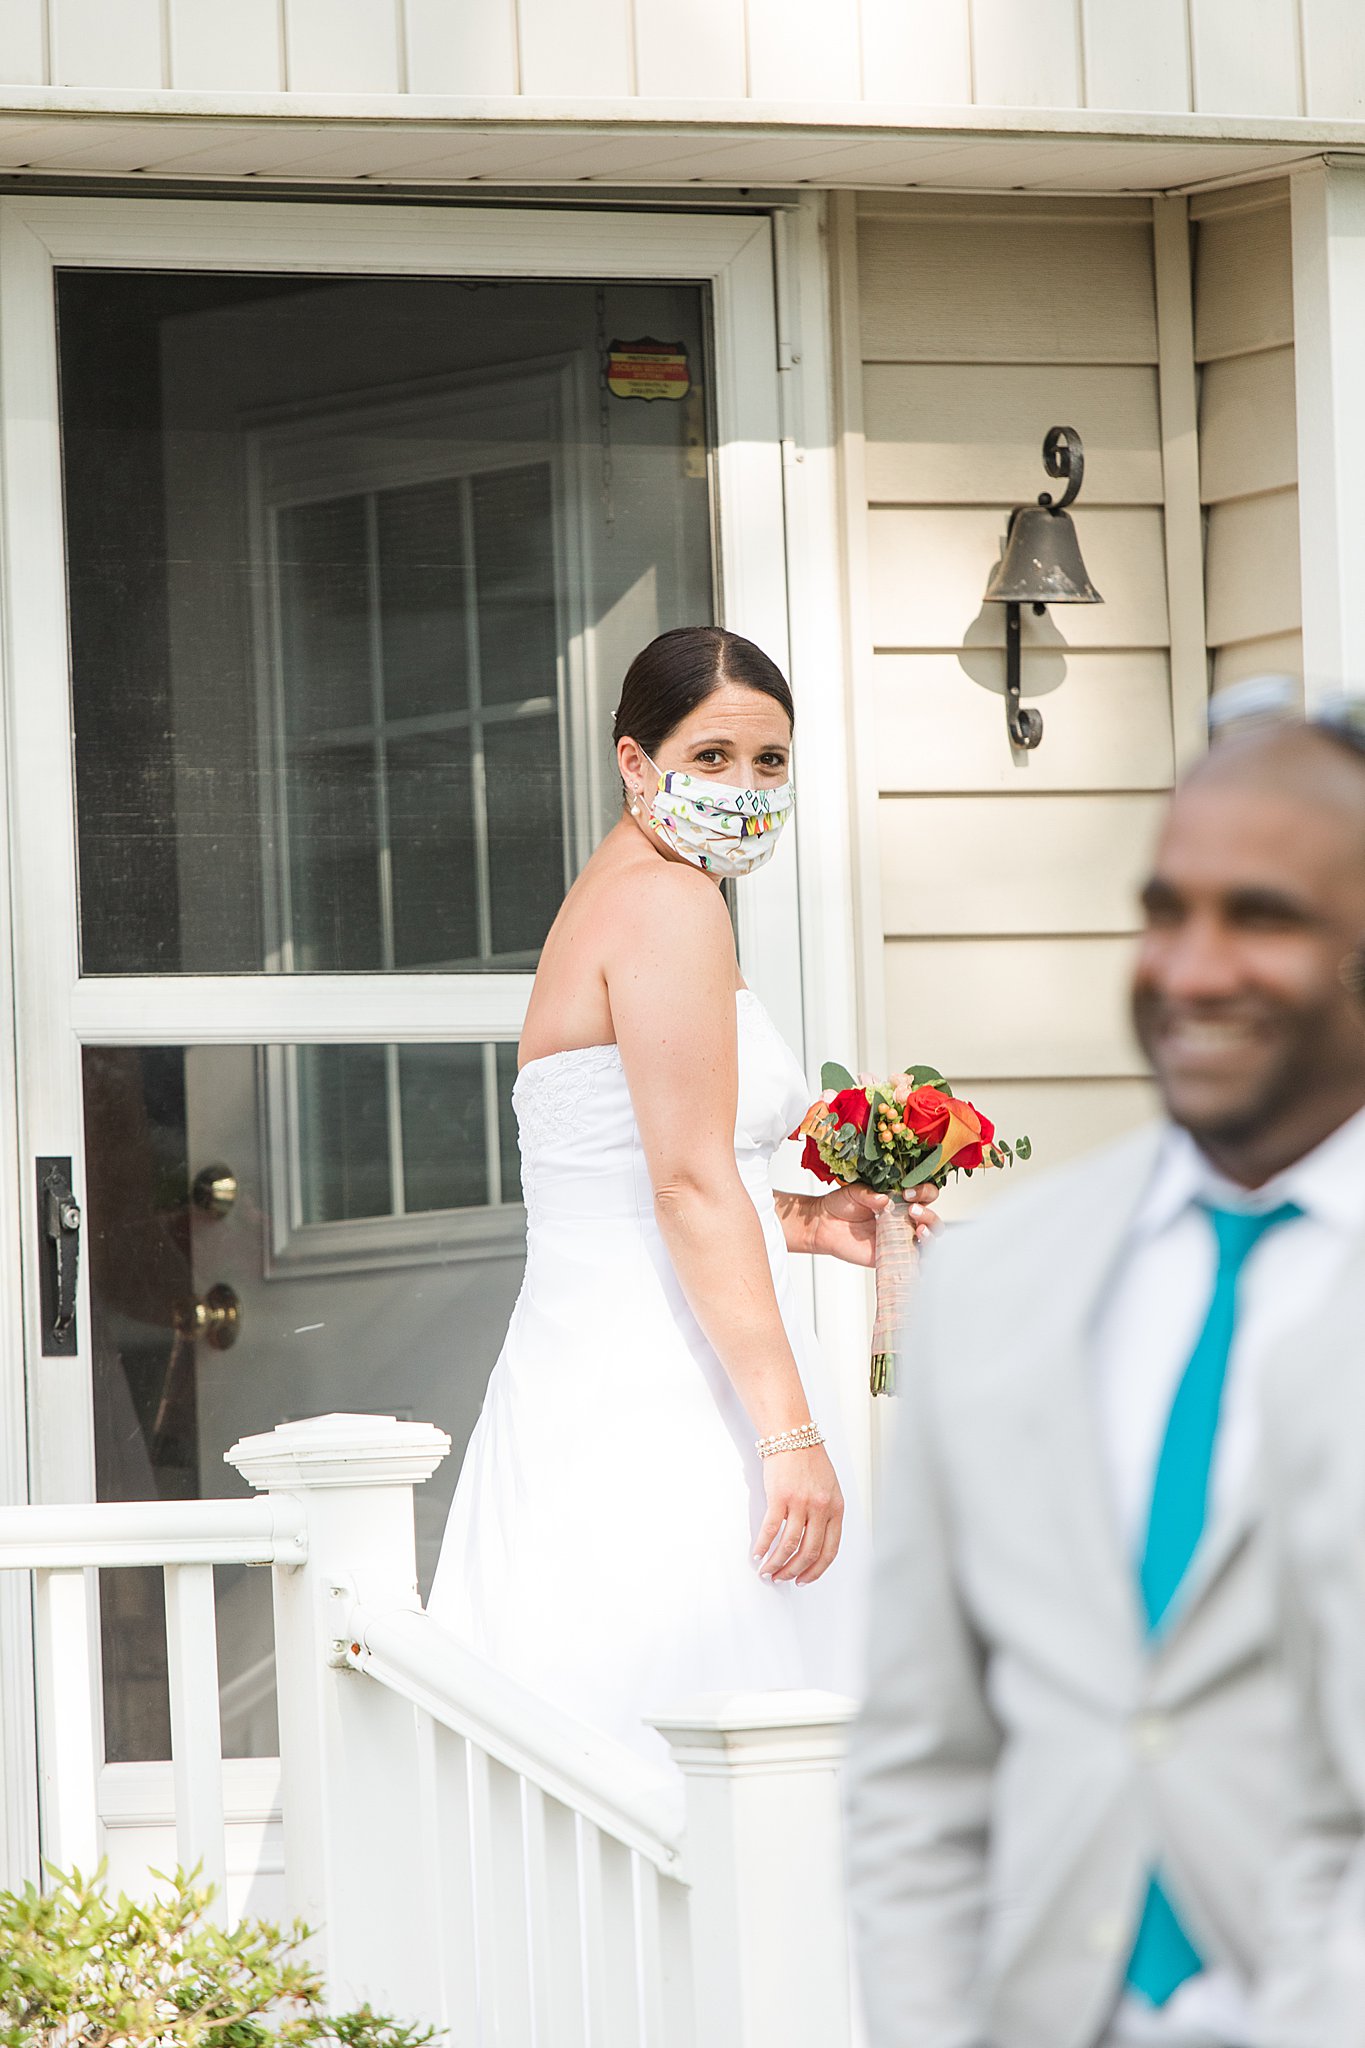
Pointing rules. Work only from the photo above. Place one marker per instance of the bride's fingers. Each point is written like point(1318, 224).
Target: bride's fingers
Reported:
point(807, 1551)
point(768, 1534)
point(785, 1545)
point(829, 1551)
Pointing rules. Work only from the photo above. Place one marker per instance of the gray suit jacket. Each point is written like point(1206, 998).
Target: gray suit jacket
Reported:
point(1314, 1463)
point(1025, 1756)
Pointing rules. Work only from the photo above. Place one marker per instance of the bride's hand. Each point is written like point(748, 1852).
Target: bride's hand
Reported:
point(800, 1535)
point(844, 1222)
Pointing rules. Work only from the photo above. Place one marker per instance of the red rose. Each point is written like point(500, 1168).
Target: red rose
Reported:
point(813, 1163)
point(851, 1106)
point(975, 1155)
point(925, 1111)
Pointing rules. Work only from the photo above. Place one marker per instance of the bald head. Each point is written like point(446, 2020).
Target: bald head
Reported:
point(1308, 763)
point(1255, 906)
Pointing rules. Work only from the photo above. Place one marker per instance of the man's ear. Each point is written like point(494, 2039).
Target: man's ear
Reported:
point(1351, 972)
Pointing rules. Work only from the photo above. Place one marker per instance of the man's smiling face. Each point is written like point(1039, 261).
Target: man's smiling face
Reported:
point(1256, 899)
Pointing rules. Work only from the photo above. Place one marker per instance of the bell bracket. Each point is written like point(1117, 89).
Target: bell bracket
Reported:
point(1040, 564)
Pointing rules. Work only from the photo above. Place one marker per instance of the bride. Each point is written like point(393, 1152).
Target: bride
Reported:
point(648, 1508)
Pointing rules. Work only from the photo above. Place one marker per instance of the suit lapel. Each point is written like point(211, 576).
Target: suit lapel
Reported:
point(1332, 1324)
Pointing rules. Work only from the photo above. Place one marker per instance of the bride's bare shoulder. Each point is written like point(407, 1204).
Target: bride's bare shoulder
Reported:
point(669, 898)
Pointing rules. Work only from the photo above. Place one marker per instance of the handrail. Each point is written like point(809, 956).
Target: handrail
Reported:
point(266, 1529)
point(618, 1791)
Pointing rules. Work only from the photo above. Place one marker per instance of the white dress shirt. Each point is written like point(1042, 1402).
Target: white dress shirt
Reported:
point(1146, 1333)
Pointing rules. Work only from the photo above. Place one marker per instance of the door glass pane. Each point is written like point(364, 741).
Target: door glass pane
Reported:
point(434, 849)
point(335, 901)
point(373, 1248)
point(355, 568)
point(345, 1167)
point(321, 561)
point(423, 561)
point(515, 584)
point(526, 858)
point(446, 1129)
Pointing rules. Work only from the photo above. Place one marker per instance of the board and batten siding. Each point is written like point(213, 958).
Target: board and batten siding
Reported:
point(1006, 885)
point(1248, 458)
point(1218, 57)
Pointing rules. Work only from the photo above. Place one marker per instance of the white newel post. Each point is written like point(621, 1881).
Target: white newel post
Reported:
point(764, 1854)
point(353, 1803)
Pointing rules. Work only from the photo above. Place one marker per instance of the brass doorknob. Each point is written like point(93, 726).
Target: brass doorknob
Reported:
point(216, 1319)
point(214, 1191)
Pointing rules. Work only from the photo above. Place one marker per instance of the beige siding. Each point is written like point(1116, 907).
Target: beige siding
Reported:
point(95, 44)
point(1254, 70)
point(1029, 294)
point(1248, 458)
point(460, 49)
point(23, 43)
point(1014, 1009)
point(1008, 885)
point(343, 46)
point(236, 49)
point(1218, 57)
point(963, 435)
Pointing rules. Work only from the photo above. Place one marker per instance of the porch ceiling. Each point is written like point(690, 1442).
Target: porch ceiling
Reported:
point(432, 143)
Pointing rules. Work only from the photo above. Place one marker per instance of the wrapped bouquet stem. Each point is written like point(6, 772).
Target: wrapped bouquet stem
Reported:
point(897, 1266)
point(905, 1132)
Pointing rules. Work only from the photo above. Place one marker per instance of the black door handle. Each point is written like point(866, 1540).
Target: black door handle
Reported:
point(59, 1234)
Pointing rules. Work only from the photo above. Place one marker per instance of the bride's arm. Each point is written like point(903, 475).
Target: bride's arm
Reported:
point(671, 984)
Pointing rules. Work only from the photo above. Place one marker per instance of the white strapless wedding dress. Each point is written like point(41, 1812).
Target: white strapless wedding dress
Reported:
point(598, 1546)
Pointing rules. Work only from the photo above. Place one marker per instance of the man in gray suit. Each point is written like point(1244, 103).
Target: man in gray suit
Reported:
point(1313, 1468)
point(1067, 1786)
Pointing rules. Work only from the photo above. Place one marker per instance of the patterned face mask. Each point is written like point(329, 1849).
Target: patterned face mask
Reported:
point(725, 831)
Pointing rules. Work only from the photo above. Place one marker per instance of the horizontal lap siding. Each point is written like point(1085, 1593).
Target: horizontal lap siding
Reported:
point(1008, 888)
point(1244, 341)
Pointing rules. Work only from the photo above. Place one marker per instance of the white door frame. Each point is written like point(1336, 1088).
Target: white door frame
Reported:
point(775, 485)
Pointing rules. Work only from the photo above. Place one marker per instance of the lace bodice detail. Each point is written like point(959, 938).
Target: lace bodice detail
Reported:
point(552, 1096)
point(576, 1124)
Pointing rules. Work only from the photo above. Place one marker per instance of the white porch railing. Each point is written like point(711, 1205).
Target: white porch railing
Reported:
point(468, 1854)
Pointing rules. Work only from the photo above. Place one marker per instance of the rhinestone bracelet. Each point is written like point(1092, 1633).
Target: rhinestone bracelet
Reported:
point(803, 1439)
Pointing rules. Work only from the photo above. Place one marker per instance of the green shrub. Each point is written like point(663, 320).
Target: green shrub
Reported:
point(81, 1970)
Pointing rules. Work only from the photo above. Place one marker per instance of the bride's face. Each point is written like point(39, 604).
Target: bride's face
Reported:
point(738, 737)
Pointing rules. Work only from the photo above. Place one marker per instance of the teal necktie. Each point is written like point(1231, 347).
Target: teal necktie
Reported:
point(1163, 1954)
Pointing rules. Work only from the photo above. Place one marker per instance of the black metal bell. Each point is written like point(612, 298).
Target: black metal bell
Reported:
point(1041, 565)
point(1042, 561)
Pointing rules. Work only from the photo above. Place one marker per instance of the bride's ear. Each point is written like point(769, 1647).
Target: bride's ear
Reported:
point(634, 769)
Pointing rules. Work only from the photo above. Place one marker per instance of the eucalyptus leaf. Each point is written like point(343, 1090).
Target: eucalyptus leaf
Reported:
point(1023, 1148)
point(926, 1169)
point(928, 1077)
point(832, 1075)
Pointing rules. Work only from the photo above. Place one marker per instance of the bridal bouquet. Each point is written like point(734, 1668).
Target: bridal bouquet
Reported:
point(893, 1135)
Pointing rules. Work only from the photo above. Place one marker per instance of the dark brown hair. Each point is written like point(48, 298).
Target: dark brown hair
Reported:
point(673, 675)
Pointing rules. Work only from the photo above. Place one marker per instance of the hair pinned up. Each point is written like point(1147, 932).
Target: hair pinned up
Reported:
point(673, 675)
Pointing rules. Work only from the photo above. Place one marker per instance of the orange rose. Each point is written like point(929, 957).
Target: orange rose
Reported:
point(975, 1155)
point(926, 1111)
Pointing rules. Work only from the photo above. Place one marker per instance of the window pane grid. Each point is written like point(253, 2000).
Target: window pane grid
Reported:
point(332, 755)
point(479, 788)
point(383, 821)
point(428, 726)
